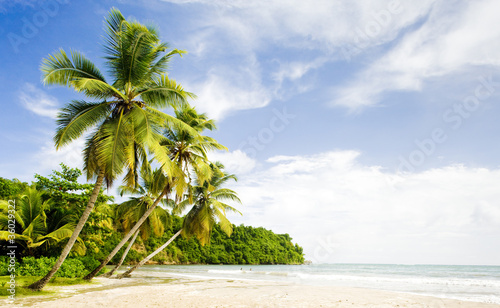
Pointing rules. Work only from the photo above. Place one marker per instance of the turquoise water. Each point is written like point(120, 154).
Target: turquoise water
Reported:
point(471, 283)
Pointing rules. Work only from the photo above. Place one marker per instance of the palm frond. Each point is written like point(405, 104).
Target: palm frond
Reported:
point(165, 92)
point(4, 236)
point(161, 65)
point(114, 137)
point(76, 118)
point(77, 72)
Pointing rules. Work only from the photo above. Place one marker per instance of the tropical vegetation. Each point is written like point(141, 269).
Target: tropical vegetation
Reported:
point(105, 229)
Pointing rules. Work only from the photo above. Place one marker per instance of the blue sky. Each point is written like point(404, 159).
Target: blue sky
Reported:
point(367, 130)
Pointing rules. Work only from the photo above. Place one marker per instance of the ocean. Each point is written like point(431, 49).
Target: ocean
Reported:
point(469, 283)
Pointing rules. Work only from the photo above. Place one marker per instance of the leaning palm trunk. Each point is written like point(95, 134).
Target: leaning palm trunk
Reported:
point(38, 285)
point(127, 273)
point(126, 238)
point(132, 241)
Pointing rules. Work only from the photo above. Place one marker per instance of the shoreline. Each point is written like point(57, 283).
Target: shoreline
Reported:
point(175, 291)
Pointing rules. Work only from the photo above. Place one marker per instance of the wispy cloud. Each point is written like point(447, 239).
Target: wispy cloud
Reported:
point(449, 41)
point(313, 24)
point(328, 30)
point(364, 211)
point(38, 102)
point(6, 4)
point(48, 158)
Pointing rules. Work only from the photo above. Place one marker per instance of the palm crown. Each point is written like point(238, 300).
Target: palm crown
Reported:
point(142, 199)
point(124, 117)
point(209, 206)
point(188, 151)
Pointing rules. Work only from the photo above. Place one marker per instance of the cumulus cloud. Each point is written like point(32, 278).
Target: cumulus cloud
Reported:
point(235, 162)
point(343, 211)
point(225, 90)
point(38, 102)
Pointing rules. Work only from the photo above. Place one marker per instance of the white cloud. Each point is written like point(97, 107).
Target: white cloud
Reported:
point(295, 70)
point(319, 23)
point(448, 42)
point(327, 30)
point(235, 162)
point(429, 39)
point(48, 158)
point(225, 90)
point(343, 211)
point(38, 102)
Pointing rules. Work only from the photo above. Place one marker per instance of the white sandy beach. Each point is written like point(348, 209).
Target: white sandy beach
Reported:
point(187, 292)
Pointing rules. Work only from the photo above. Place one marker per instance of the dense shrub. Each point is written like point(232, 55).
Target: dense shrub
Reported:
point(31, 266)
point(4, 265)
point(89, 263)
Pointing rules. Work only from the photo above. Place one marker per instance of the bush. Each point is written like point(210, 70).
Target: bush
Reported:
point(134, 257)
point(31, 266)
point(4, 265)
point(71, 268)
point(90, 263)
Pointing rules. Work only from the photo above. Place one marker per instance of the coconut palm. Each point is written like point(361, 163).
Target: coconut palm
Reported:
point(208, 208)
point(123, 119)
point(132, 210)
point(34, 231)
point(187, 151)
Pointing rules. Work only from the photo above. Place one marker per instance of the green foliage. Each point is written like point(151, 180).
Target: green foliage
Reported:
point(208, 205)
point(33, 231)
point(99, 245)
point(11, 188)
point(63, 189)
point(104, 230)
point(4, 263)
point(31, 266)
point(246, 245)
point(48, 212)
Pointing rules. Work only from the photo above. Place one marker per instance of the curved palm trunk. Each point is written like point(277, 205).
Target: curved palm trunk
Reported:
point(38, 285)
point(132, 241)
point(127, 273)
point(125, 239)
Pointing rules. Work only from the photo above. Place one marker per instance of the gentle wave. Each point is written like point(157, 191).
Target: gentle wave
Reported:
point(429, 280)
point(336, 277)
point(470, 283)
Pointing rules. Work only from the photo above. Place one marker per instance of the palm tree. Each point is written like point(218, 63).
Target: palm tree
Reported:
point(189, 152)
point(207, 210)
point(130, 212)
point(186, 150)
point(34, 230)
point(124, 122)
